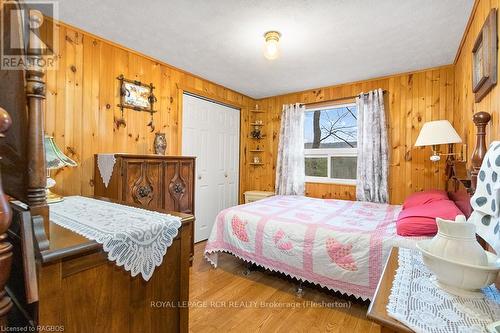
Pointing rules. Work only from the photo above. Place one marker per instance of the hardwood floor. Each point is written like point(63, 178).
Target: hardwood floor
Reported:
point(225, 300)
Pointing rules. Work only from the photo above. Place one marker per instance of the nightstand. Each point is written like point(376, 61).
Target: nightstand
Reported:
point(377, 312)
point(251, 196)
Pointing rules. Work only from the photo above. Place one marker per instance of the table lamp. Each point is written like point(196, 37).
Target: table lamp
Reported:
point(55, 159)
point(436, 133)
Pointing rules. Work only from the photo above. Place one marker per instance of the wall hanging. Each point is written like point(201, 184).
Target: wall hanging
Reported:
point(484, 58)
point(136, 96)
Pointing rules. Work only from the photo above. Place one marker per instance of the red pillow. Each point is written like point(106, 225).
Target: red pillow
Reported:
point(424, 197)
point(421, 220)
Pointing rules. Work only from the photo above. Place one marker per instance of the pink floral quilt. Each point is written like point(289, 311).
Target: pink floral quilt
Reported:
point(341, 245)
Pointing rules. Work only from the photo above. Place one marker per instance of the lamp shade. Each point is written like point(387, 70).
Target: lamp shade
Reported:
point(55, 157)
point(436, 133)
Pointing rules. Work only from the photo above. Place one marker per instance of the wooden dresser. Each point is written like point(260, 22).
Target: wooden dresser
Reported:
point(152, 181)
point(74, 287)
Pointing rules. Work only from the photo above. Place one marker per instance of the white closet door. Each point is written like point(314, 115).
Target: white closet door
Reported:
point(211, 132)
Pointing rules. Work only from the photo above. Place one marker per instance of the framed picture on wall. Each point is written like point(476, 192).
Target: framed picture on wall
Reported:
point(136, 95)
point(484, 58)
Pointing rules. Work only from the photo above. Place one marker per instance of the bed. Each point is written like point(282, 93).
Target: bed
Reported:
point(340, 245)
point(337, 244)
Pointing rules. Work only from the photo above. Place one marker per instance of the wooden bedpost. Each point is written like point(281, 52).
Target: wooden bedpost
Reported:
point(5, 246)
point(35, 93)
point(480, 119)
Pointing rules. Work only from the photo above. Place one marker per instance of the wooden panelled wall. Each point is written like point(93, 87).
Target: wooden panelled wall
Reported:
point(464, 106)
point(82, 96)
point(83, 92)
point(411, 100)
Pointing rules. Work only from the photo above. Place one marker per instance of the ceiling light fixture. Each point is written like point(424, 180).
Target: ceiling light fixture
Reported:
point(271, 50)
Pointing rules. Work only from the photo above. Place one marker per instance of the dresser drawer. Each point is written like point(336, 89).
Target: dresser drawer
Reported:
point(142, 182)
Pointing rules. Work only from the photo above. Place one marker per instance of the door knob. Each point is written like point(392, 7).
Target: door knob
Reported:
point(225, 175)
point(199, 176)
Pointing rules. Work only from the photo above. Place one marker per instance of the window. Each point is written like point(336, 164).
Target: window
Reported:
point(330, 144)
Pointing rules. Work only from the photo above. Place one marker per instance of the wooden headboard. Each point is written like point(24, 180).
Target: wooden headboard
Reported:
point(462, 181)
point(481, 120)
point(462, 185)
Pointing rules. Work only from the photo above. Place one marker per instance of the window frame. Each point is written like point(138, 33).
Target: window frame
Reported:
point(329, 153)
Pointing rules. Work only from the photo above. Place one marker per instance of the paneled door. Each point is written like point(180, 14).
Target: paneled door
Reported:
point(211, 132)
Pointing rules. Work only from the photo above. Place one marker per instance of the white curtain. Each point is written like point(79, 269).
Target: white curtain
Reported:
point(371, 184)
point(290, 173)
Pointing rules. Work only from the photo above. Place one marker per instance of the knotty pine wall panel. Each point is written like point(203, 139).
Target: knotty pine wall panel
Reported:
point(411, 100)
point(83, 92)
point(81, 106)
point(464, 105)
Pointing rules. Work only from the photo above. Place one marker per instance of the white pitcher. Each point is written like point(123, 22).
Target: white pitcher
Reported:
point(456, 240)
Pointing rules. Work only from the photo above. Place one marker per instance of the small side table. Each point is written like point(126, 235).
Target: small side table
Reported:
point(377, 312)
point(251, 196)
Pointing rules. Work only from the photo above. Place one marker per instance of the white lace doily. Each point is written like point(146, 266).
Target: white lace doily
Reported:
point(419, 304)
point(136, 239)
point(105, 164)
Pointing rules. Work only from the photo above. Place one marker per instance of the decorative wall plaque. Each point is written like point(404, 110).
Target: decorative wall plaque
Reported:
point(137, 96)
point(484, 58)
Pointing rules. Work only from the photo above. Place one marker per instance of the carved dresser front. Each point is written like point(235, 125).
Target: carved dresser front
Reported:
point(153, 181)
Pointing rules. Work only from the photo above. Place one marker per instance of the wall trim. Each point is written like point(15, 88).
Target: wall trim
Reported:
point(466, 32)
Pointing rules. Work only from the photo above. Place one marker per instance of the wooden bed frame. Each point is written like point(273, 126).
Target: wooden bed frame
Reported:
point(462, 181)
point(50, 276)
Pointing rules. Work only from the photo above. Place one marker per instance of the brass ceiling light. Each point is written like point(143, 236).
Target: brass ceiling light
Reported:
point(271, 50)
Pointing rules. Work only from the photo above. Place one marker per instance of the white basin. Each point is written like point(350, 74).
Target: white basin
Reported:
point(453, 275)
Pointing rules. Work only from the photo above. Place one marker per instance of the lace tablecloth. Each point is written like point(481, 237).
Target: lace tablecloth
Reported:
point(135, 238)
point(418, 303)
